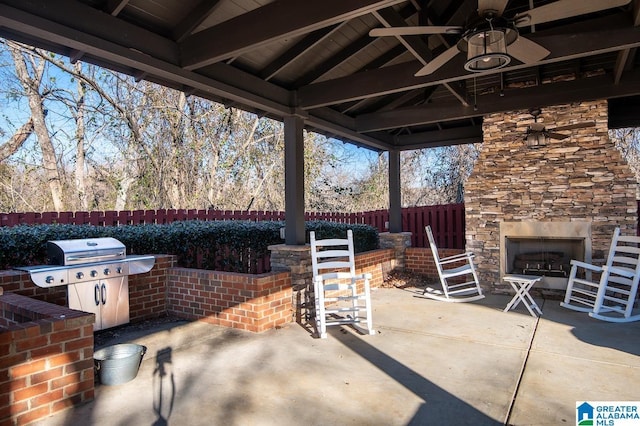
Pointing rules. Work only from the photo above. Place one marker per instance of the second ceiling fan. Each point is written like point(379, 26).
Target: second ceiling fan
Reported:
point(490, 39)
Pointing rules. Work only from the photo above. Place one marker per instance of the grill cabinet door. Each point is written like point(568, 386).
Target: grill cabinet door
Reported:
point(107, 299)
point(114, 297)
point(86, 297)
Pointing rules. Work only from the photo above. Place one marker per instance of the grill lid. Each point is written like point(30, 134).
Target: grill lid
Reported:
point(76, 252)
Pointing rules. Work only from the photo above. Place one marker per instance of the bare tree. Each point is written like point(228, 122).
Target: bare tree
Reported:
point(13, 144)
point(30, 77)
point(627, 140)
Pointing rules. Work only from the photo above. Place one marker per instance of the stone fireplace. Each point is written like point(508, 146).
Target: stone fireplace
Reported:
point(560, 200)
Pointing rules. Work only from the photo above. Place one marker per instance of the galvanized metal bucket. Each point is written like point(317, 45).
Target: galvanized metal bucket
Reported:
point(118, 364)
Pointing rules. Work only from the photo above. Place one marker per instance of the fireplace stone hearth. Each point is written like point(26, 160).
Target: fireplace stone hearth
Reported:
point(578, 181)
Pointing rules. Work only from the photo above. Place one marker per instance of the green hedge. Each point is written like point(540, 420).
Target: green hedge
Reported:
point(237, 246)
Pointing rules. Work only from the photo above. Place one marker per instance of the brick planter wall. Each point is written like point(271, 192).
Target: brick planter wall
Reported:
point(246, 302)
point(148, 292)
point(46, 359)
point(20, 283)
point(580, 178)
point(419, 260)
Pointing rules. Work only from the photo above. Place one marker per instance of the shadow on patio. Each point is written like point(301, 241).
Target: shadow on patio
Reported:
point(430, 363)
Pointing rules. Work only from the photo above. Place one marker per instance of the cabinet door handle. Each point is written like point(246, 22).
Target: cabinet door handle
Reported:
point(103, 292)
point(96, 295)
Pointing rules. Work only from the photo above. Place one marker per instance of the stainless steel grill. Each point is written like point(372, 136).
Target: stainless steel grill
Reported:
point(77, 261)
point(96, 272)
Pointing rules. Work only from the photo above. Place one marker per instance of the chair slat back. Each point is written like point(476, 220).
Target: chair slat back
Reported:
point(432, 244)
point(332, 254)
point(624, 252)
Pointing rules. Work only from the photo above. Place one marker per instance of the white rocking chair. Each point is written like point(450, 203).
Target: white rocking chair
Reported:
point(340, 294)
point(613, 296)
point(457, 274)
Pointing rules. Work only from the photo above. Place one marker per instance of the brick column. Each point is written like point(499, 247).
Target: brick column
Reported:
point(398, 242)
point(297, 260)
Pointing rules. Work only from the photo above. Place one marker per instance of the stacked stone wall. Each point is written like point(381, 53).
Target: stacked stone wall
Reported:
point(580, 178)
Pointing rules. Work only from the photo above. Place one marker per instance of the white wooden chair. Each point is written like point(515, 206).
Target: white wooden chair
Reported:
point(612, 295)
point(457, 274)
point(341, 295)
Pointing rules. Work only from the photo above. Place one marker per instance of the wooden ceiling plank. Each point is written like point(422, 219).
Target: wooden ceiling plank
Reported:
point(196, 17)
point(334, 61)
point(114, 7)
point(298, 50)
point(94, 22)
point(38, 28)
point(600, 87)
point(271, 22)
point(401, 77)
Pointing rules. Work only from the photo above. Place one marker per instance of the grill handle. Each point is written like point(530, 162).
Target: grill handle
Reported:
point(103, 294)
point(88, 257)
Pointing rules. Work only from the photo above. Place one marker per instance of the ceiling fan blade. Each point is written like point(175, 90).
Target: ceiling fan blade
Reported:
point(438, 61)
point(408, 31)
point(496, 6)
point(564, 9)
point(527, 51)
point(558, 136)
point(577, 126)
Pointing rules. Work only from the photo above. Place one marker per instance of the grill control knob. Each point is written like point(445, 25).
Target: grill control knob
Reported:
point(49, 279)
point(119, 269)
point(80, 275)
point(94, 273)
point(106, 271)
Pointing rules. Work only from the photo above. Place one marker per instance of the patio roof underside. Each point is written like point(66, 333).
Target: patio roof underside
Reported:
point(316, 59)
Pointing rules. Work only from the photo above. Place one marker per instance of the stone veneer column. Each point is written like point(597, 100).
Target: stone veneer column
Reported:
point(398, 242)
point(580, 178)
point(297, 260)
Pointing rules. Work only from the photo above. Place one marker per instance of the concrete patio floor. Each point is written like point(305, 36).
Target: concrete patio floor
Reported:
point(431, 363)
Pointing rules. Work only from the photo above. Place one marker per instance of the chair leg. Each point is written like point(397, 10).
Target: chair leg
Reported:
point(321, 324)
point(367, 294)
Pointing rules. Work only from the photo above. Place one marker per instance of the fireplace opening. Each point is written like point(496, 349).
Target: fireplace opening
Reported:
point(544, 249)
point(547, 257)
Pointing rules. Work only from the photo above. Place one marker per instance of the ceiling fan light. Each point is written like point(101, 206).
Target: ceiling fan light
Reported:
point(536, 139)
point(486, 50)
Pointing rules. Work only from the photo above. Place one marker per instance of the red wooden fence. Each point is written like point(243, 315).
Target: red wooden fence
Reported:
point(447, 221)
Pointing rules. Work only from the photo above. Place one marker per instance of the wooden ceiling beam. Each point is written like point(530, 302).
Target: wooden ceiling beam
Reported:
point(272, 22)
point(114, 7)
point(401, 77)
point(444, 137)
point(600, 87)
point(196, 17)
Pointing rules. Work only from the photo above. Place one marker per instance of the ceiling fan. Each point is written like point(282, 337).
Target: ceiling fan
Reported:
point(487, 34)
point(537, 133)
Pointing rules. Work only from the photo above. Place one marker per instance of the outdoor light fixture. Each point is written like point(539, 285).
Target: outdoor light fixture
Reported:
point(486, 46)
point(536, 139)
point(537, 134)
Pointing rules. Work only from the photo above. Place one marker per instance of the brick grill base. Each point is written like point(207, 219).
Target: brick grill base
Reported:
point(46, 359)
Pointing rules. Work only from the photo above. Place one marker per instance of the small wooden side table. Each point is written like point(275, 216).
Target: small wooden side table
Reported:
point(522, 284)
